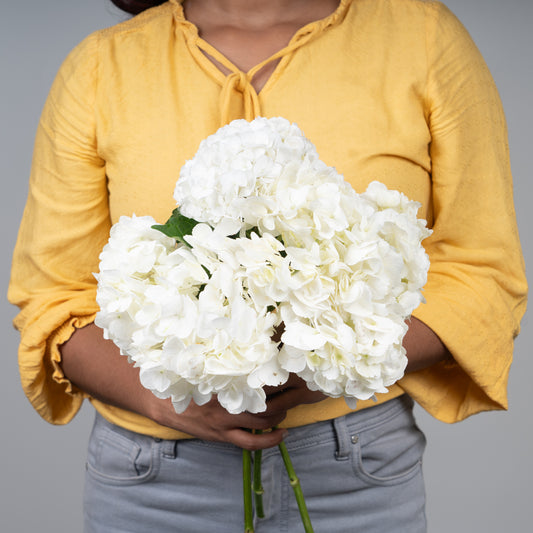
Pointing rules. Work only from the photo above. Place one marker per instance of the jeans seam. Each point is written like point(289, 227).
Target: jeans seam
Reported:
point(152, 472)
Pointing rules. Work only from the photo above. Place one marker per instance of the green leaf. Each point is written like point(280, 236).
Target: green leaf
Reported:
point(177, 226)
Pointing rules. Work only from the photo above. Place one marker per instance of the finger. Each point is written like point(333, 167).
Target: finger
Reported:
point(283, 401)
point(290, 398)
point(293, 381)
point(253, 441)
point(263, 420)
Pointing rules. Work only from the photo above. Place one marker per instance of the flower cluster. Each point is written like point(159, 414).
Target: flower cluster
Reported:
point(184, 318)
point(264, 174)
point(276, 239)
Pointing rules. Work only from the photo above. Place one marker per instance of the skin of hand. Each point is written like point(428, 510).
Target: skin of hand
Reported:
point(95, 366)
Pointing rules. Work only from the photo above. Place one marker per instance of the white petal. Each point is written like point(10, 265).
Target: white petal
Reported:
point(299, 335)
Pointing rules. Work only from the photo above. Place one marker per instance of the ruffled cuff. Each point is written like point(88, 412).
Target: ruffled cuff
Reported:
point(475, 380)
point(53, 396)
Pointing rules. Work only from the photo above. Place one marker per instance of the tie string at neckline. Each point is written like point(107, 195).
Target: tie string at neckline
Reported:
point(238, 82)
point(238, 97)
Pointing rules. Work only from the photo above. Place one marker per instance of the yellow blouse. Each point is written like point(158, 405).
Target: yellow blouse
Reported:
point(388, 90)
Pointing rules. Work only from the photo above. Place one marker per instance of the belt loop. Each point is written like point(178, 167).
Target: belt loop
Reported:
point(168, 448)
point(343, 439)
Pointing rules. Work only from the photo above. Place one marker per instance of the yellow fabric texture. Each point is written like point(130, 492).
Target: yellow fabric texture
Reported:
point(388, 90)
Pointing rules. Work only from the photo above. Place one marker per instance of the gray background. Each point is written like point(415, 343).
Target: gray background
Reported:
point(478, 472)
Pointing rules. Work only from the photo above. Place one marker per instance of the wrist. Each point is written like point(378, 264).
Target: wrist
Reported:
point(423, 346)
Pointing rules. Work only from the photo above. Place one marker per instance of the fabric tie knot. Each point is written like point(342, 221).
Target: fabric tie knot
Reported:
point(238, 98)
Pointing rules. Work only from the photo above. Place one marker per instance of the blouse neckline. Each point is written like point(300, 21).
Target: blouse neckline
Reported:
point(241, 82)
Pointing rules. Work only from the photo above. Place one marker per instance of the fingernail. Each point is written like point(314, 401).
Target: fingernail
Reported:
point(284, 434)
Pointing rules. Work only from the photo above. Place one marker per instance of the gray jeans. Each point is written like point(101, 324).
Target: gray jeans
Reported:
point(360, 472)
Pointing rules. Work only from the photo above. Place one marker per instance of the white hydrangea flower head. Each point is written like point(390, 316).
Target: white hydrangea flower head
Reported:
point(350, 342)
point(265, 174)
point(282, 240)
point(192, 335)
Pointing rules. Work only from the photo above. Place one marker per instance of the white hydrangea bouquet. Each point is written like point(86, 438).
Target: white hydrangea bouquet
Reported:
point(266, 237)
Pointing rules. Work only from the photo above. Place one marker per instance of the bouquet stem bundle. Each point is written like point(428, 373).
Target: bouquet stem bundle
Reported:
point(252, 484)
point(247, 491)
point(296, 487)
point(257, 484)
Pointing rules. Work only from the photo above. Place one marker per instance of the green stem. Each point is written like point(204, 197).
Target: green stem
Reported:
point(258, 486)
point(295, 483)
point(247, 491)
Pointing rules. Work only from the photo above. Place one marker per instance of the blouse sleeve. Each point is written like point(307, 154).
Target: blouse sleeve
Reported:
point(476, 290)
point(65, 225)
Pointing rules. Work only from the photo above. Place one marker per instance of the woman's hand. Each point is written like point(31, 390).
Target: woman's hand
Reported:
point(212, 422)
point(95, 366)
point(291, 394)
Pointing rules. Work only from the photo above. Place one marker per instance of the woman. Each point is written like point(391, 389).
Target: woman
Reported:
point(390, 90)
